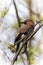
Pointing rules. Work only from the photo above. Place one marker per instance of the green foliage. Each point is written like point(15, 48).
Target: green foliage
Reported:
point(34, 49)
point(32, 52)
point(15, 26)
point(34, 17)
point(4, 12)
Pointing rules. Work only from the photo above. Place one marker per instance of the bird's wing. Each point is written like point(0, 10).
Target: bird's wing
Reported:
point(23, 29)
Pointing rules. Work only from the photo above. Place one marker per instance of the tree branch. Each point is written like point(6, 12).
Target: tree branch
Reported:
point(17, 13)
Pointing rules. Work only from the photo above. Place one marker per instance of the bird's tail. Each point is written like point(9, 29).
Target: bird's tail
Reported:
point(18, 38)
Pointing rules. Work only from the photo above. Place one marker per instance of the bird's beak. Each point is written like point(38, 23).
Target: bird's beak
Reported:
point(23, 22)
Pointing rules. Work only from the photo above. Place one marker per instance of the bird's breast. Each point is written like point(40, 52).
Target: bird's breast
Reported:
point(24, 29)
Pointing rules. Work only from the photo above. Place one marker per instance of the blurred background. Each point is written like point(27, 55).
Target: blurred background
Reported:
point(27, 9)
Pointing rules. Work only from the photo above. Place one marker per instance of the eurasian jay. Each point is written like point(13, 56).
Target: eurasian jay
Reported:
point(24, 29)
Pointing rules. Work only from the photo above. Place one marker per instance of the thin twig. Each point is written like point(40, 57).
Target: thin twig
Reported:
point(17, 13)
point(37, 14)
point(22, 59)
point(35, 32)
point(5, 54)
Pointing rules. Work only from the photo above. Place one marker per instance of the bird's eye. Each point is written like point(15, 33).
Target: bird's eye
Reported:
point(24, 22)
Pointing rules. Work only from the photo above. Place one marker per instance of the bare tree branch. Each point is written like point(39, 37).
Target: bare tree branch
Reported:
point(22, 59)
point(17, 13)
point(35, 32)
point(37, 14)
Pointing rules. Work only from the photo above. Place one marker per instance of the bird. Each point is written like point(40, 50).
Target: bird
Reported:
point(24, 29)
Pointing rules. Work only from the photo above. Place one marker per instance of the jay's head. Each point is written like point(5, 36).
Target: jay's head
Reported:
point(29, 22)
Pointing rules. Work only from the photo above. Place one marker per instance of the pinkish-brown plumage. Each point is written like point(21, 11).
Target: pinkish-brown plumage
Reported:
point(24, 29)
point(26, 26)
